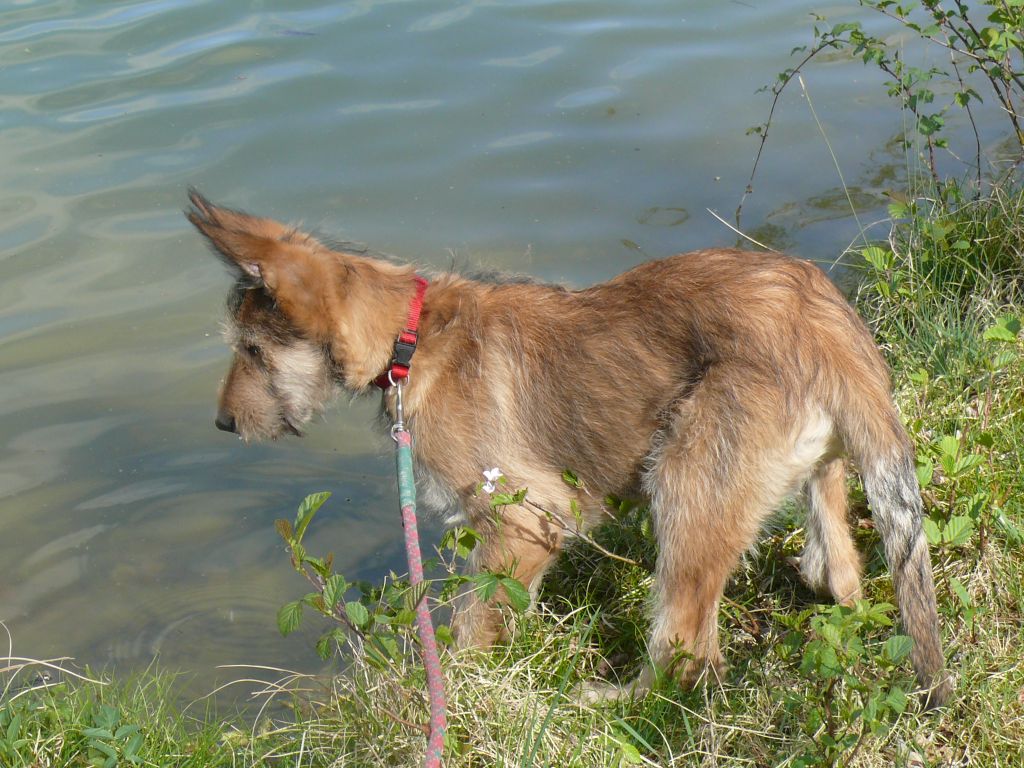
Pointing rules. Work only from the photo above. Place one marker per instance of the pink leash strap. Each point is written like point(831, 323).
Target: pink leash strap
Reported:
point(424, 626)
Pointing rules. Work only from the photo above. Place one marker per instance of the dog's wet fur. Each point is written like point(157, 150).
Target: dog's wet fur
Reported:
point(715, 384)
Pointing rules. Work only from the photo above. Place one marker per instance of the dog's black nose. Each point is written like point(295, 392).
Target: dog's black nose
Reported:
point(225, 422)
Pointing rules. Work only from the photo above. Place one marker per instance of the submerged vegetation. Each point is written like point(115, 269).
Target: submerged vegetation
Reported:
point(808, 684)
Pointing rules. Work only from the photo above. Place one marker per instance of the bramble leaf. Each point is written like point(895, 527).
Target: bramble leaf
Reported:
point(289, 617)
point(307, 509)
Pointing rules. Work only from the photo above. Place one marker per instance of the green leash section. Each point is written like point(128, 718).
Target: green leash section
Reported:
point(424, 626)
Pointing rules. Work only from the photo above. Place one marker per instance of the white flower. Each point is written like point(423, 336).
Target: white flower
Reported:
point(492, 476)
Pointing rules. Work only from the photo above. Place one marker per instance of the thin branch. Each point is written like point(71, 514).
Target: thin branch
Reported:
point(538, 510)
point(777, 90)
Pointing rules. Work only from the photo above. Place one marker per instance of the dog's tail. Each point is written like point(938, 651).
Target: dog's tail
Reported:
point(877, 439)
point(891, 487)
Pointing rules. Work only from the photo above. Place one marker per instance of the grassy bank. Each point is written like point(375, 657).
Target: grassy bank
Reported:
point(807, 684)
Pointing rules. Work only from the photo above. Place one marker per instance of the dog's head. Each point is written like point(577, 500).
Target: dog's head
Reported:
point(304, 321)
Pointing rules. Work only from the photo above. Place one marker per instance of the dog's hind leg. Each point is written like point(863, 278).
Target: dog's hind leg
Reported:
point(830, 563)
point(725, 461)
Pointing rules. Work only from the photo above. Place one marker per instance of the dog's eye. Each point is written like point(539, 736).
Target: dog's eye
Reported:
point(252, 350)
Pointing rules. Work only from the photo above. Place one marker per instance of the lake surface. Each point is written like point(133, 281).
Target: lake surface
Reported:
point(569, 139)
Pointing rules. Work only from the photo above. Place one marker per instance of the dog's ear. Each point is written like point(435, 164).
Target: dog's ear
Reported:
point(303, 276)
point(254, 247)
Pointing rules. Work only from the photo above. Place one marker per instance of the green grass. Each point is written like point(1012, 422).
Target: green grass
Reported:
point(951, 270)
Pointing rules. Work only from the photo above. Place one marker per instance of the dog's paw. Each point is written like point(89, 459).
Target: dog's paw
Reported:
point(594, 694)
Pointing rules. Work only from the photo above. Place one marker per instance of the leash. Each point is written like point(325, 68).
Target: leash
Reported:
point(424, 626)
point(395, 377)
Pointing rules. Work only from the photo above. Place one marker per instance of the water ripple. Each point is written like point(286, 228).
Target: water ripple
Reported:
point(521, 139)
point(122, 15)
point(390, 106)
point(527, 59)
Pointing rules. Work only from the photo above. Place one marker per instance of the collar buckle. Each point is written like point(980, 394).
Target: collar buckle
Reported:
point(405, 344)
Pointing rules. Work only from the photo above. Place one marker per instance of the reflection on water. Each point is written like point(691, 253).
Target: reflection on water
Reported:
point(564, 138)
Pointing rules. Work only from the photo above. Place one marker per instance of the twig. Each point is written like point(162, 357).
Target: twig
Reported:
point(777, 91)
point(548, 515)
point(421, 727)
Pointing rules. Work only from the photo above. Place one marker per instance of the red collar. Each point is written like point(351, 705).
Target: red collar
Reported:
point(405, 344)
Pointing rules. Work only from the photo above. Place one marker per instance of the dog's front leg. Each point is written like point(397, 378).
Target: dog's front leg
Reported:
point(518, 542)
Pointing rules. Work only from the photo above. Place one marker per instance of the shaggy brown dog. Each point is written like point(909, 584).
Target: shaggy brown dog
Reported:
point(715, 384)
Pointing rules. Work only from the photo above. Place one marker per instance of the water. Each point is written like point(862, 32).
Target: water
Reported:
point(567, 139)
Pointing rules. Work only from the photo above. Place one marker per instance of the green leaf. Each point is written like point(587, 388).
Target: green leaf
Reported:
point(925, 471)
point(628, 753)
point(577, 513)
point(507, 499)
point(318, 565)
point(976, 505)
point(961, 593)
point(105, 748)
point(830, 633)
point(896, 700)
point(897, 648)
point(381, 650)
point(967, 463)
point(289, 617)
point(462, 539)
point(106, 717)
point(334, 589)
point(881, 260)
point(98, 733)
point(1002, 358)
point(404, 617)
point(131, 749)
point(879, 614)
point(898, 210)
point(357, 613)
point(444, 635)
point(307, 509)
point(415, 594)
point(518, 595)
point(928, 125)
point(1009, 528)
point(998, 333)
point(125, 731)
point(486, 585)
point(828, 663)
point(1004, 329)
point(958, 530)
point(14, 728)
point(931, 531)
point(325, 646)
point(949, 446)
point(791, 643)
point(948, 463)
point(571, 479)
